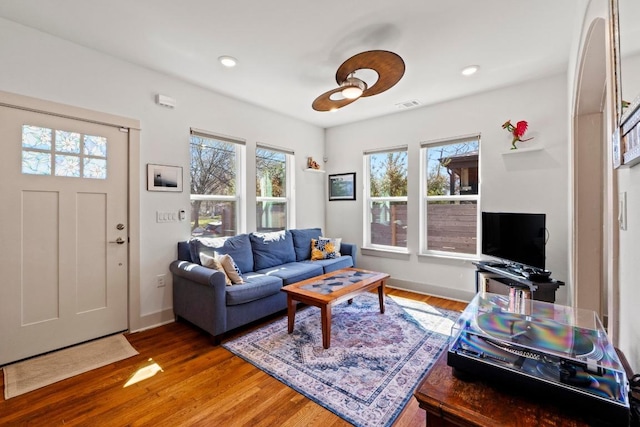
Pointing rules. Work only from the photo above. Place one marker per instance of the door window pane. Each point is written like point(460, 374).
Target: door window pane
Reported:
point(63, 153)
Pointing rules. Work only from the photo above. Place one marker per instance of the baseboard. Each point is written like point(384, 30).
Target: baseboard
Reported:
point(426, 289)
point(154, 320)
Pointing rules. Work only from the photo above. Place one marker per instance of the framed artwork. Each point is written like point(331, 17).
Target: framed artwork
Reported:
point(164, 178)
point(342, 186)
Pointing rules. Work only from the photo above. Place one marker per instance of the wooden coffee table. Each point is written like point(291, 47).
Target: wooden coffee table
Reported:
point(330, 289)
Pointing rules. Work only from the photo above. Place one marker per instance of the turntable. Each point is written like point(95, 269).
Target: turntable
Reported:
point(542, 349)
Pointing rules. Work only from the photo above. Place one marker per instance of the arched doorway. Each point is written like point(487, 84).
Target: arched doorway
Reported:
point(592, 180)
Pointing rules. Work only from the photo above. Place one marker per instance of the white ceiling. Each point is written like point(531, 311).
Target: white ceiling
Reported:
point(289, 50)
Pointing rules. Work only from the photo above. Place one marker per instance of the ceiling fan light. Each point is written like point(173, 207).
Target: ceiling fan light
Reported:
point(353, 88)
point(352, 92)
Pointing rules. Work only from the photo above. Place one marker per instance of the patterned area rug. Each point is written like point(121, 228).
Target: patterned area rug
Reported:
point(374, 363)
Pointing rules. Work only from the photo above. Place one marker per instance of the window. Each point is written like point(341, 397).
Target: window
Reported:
point(386, 199)
point(272, 203)
point(215, 172)
point(450, 177)
point(63, 153)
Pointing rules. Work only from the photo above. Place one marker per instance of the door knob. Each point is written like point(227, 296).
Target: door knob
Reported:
point(118, 241)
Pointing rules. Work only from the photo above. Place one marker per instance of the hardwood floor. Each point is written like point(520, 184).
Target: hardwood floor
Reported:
point(200, 384)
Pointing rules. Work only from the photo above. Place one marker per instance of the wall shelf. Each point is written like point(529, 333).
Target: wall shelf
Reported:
point(523, 150)
point(314, 170)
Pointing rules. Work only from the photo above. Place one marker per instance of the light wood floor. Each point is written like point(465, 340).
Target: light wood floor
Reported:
point(200, 384)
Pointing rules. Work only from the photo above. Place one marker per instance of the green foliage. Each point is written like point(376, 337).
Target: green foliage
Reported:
point(270, 172)
point(389, 174)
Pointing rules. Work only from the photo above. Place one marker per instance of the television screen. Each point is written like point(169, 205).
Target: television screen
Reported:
point(515, 237)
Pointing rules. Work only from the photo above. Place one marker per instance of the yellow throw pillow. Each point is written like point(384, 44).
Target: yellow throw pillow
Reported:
point(230, 268)
point(323, 248)
point(210, 262)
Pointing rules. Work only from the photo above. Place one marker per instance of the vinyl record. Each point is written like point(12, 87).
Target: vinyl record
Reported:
point(542, 335)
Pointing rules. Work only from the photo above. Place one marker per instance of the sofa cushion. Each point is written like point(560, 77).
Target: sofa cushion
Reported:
point(271, 249)
point(239, 247)
point(255, 287)
point(324, 248)
point(302, 241)
point(294, 271)
point(330, 265)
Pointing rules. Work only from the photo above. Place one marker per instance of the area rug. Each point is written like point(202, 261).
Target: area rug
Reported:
point(31, 374)
point(375, 360)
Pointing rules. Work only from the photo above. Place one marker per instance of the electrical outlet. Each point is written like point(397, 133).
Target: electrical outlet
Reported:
point(160, 280)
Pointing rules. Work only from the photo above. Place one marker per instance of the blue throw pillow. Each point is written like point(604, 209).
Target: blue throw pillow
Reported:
point(302, 241)
point(271, 249)
point(238, 247)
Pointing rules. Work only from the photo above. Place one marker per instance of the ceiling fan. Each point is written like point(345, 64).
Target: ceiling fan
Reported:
point(389, 66)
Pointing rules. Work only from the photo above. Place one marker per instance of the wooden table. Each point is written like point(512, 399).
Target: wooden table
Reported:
point(331, 289)
point(450, 401)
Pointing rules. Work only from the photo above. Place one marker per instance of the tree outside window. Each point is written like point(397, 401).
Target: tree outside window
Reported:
point(271, 190)
point(450, 199)
point(387, 199)
point(214, 198)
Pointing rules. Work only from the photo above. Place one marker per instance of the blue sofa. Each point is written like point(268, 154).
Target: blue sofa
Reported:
point(267, 262)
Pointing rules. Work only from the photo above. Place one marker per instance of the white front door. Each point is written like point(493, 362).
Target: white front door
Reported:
point(63, 232)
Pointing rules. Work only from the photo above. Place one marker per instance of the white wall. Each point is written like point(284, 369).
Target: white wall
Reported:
point(39, 65)
point(519, 182)
point(629, 182)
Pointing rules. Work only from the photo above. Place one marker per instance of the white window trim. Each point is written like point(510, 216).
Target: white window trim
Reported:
point(289, 187)
point(369, 248)
point(425, 199)
point(240, 196)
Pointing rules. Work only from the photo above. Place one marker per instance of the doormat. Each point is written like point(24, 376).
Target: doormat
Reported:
point(375, 360)
point(41, 371)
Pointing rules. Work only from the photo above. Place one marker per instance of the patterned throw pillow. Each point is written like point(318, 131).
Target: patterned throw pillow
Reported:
point(324, 248)
point(208, 261)
point(231, 268)
point(336, 242)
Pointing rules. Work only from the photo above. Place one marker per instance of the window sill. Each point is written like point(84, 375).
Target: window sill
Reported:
point(452, 257)
point(386, 253)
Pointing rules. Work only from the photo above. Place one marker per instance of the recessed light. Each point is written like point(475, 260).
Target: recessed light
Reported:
point(228, 61)
point(471, 69)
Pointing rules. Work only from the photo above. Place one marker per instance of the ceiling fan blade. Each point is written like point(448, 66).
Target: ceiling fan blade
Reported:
point(325, 103)
point(389, 66)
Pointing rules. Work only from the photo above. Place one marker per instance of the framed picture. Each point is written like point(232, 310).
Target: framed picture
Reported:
point(164, 178)
point(342, 186)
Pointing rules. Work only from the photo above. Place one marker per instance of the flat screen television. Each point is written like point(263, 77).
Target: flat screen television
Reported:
point(515, 237)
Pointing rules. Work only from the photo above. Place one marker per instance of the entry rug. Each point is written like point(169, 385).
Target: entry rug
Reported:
point(375, 360)
point(41, 371)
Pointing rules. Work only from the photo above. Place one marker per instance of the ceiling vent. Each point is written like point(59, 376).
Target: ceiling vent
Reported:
point(408, 104)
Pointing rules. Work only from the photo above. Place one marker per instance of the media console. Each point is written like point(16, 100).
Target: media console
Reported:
point(502, 279)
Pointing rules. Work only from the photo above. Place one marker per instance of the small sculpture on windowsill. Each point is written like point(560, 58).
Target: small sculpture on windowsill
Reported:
point(312, 164)
point(517, 132)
